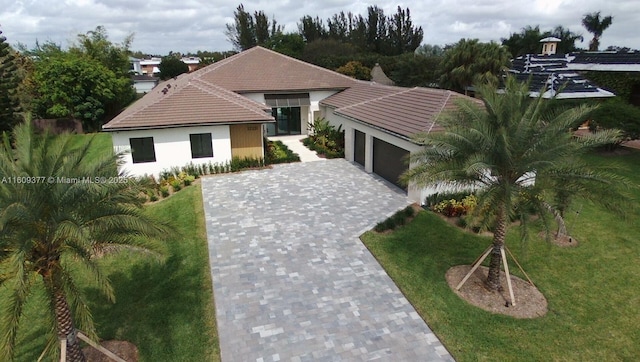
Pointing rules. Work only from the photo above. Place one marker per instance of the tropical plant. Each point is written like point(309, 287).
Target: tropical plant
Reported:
point(527, 41)
point(355, 69)
point(56, 216)
point(517, 151)
point(171, 67)
point(616, 113)
point(470, 61)
point(596, 26)
point(325, 138)
point(9, 81)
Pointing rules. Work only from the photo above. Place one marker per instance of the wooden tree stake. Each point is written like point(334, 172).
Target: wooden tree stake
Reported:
point(506, 271)
point(474, 267)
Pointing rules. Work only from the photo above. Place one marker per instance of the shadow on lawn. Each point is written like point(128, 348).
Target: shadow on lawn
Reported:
point(159, 308)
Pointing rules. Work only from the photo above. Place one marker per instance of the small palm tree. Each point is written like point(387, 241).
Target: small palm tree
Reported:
point(57, 210)
point(517, 152)
point(596, 26)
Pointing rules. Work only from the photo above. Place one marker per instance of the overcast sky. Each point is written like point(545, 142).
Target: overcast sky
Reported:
point(190, 25)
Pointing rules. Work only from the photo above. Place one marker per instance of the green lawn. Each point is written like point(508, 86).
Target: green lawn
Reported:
point(101, 143)
point(593, 290)
point(163, 307)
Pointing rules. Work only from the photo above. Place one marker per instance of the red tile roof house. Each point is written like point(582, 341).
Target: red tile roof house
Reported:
point(225, 109)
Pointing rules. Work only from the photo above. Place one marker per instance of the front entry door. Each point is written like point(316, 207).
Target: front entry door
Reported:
point(287, 121)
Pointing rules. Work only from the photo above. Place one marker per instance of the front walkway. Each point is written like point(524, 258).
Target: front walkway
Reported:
point(293, 282)
point(294, 144)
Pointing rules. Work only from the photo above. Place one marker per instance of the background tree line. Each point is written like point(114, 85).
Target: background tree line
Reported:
point(375, 32)
point(89, 81)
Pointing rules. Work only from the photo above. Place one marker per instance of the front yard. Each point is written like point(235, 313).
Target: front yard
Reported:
point(592, 289)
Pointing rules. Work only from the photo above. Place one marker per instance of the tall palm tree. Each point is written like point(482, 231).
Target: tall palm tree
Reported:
point(58, 207)
point(516, 151)
point(596, 26)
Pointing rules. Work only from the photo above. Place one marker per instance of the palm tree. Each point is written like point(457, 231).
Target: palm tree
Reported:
point(57, 210)
point(596, 26)
point(516, 151)
point(470, 60)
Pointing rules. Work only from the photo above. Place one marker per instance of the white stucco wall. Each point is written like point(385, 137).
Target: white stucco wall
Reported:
point(172, 147)
point(415, 194)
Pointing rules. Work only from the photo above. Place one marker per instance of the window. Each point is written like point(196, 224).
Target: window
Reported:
point(142, 149)
point(201, 145)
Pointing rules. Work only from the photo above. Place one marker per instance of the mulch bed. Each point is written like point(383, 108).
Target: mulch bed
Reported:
point(123, 349)
point(529, 302)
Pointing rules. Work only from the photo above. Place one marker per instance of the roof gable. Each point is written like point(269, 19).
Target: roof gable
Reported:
point(188, 101)
point(261, 70)
point(401, 111)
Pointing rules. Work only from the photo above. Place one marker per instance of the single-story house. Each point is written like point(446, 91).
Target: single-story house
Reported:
point(225, 110)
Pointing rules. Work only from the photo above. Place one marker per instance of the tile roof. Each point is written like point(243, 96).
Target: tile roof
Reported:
point(259, 69)
point(207, 95)
point(187, 100)
point(397, 110)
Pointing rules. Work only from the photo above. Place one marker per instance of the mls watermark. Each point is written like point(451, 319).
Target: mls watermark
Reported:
point(65, 180)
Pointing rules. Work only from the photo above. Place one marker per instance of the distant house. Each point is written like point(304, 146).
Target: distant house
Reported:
point(151, 66)
point(225, 109)
point(192, 62)
point(136, 68)
point(551, 72)
point(144, 83)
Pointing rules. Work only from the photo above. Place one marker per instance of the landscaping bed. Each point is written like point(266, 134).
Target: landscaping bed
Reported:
point(591, 289)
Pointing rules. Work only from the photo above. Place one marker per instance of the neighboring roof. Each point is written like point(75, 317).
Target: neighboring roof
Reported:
point(396, 110)
point(378, 76)
point(263, 70)
point(152, 61)
point(144, 78)
point(561, 85)
point(551, 74)
point(550, 39)
point(187, 100)
point(623, 61)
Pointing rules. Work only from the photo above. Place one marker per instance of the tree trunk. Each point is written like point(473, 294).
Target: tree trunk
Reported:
point(493, 277)
point(64, 325)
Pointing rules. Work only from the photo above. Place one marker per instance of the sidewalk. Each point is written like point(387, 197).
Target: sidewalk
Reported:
point(294, 144)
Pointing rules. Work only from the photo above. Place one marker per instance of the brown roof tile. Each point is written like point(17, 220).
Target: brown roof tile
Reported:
point(259, 69)
point(206, 96)
point(189, 101)
point(401, 111)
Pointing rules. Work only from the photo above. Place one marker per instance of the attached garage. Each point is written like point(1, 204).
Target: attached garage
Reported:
point(389, 161)
point(379, 122)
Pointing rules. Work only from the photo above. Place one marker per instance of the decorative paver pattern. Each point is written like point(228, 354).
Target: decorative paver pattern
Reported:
point(293, 282)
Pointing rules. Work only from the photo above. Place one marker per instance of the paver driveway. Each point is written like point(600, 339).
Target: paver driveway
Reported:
point(291, 279)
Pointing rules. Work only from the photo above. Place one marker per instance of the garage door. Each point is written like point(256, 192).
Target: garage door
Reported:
point(389, 161)
point(358, 147)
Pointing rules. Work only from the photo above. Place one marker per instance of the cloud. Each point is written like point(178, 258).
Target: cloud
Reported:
point(189, 25)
